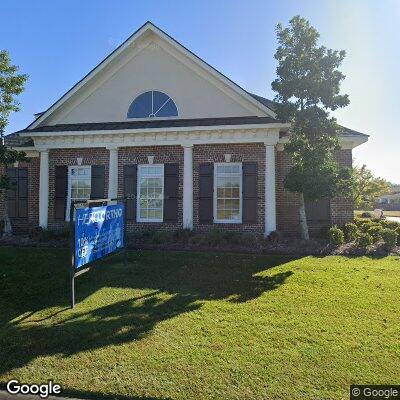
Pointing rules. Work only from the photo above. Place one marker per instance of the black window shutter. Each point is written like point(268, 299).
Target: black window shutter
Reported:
point(250, 195)
point(60, 193)
point(130, 190)
point(206, 191)
point(22, 192)
point(98, 182)
point(11, 194)
point(171, 192)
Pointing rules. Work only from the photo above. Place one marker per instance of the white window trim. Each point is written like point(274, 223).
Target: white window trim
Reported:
point(138, 219)
point(227, 221)
point(68, 207)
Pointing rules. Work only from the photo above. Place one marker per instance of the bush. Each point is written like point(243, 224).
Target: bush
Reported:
point(45, 235)
point(398, 235)
point(365, 224)
point(389, 236)
point(376, 232)
point(336, 235)
point(366, 214)
point(364, 240)
point(351, 232)
point(390, 224)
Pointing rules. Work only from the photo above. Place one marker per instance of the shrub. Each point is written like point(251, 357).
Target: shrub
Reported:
point(365, 224)
point(366, 214)
point(45, 235)
point(398, 236)
point(390, 224)
point(376, 232)
point(336, 235)
point(351, 232)
point(364, 240)
point(183, 235)
point(389, 236)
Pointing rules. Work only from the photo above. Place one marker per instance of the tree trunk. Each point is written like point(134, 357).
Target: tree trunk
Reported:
point(7, 223)
point(303, 218)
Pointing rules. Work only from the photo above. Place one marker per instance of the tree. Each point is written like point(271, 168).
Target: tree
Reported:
point(11, 85)
point(367, 188)
point(308, 88)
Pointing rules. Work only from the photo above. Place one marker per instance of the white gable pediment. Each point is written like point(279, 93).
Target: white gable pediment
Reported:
point(151, 61)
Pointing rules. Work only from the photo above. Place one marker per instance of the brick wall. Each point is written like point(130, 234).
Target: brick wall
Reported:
point(26, 224)
point(93, 156)
point(342, 208)
point(287, 203)
point(239, 153)
point(162, 155)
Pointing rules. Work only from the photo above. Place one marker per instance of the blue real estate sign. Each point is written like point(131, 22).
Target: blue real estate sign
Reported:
point(99, 231)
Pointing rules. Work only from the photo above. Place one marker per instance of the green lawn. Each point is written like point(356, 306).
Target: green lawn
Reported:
point(201, 326)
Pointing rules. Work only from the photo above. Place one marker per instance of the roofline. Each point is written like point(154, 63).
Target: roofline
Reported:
point(146, 26)
point(149, 130)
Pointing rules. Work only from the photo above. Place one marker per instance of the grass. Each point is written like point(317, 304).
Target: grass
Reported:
point(358, 213)
point(201, 326)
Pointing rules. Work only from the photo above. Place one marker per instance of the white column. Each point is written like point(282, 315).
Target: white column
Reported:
point(270, 195)
point(44, 189)
point(187, 186)
point(113, 173)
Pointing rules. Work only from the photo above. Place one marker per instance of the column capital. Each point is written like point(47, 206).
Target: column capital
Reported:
point(42, 149)
point(112, 147)
point(187, 145)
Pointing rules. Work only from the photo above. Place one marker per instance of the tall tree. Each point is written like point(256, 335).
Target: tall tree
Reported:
point(367, 188)
point(308, 88)
point(11, 85)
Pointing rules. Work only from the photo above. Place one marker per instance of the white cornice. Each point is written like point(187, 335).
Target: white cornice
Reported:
point(156, 130)
point(347, 142)
point(156, 138)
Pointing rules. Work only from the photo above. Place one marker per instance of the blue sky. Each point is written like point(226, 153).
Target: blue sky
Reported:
point(57, 42)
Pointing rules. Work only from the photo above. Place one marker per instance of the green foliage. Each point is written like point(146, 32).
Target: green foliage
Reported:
point(398, 235)
point(367, 188)
point(308, 88)
point(11, 85)
point(46, 235)
point(336, 235)
point(389, 237)
point(351, 232)
point(375, 230)
point(364, 240)
point(390, 224)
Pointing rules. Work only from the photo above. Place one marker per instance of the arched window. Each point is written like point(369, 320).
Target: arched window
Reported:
point(152, 104)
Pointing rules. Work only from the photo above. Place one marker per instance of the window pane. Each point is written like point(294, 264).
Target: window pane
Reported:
point(151, 192)
point(152, 104)
point(159, 99)
point(228, 192)
point(168, 110)
point(141, 106)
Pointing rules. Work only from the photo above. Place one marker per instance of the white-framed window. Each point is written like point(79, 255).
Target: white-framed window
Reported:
point(150, 199)
point(228, 192)
point(79, 185)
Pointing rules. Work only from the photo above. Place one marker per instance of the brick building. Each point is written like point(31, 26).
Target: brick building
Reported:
point(187, 146)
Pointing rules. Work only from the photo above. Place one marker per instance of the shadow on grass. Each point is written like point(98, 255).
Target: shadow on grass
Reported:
point(175, 283)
